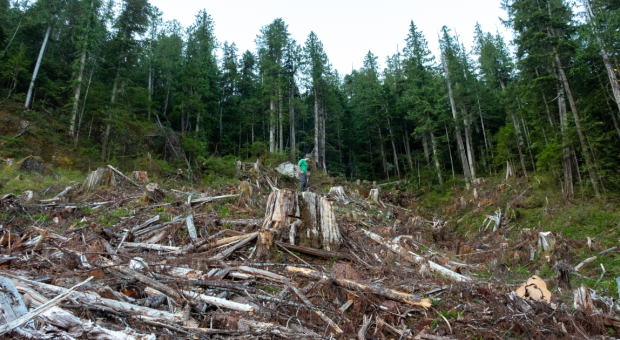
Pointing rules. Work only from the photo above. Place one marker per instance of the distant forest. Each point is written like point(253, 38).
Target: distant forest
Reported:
point(118, 81)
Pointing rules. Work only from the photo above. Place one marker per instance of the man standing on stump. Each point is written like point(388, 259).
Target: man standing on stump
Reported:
point(303, 172)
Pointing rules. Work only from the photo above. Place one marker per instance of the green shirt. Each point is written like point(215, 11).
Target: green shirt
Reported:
point(303, 165)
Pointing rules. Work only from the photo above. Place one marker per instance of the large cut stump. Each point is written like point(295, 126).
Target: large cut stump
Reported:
point(153, 193)
point(373, 196)
point(266, 245)
point(99, 177)
point(320, 229)
point(281, 206)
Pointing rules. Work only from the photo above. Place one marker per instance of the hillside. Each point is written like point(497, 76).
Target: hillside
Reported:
point(429, 230)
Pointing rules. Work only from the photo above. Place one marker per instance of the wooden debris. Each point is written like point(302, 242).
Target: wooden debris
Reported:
point(583, 300)
point(583, 263)
point(350, 284)
point(397, 249)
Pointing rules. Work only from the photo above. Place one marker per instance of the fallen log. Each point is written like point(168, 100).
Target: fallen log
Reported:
point(78, 329)
point(194, 245)
point(112, 304)
point(413, 257)
point(264, 273)
point(193, 296)
point(12, 306)
point(150, 246)
point(230, 250)
point(220, 284)
point(124, 177)
point(145, 224)
point(191, 229)
point(224, 241)
point(584, 262)
point(210, 199)
point(350, 284)
point(317, 252)
point(30, 315)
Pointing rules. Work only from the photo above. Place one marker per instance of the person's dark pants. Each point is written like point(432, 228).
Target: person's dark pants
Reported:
point(303, 179)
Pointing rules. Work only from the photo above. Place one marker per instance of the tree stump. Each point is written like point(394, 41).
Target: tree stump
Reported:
point(99, 177)
point(374, 196)
point(337, 193)
point(320, 228)
point(266, 248)
point(153, 193)
point(140, 176)
point(281, 206)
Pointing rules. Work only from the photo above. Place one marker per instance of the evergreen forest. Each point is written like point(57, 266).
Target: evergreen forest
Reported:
point(109, 82)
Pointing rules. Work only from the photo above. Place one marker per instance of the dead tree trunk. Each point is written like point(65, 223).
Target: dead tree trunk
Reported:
point(320, 229)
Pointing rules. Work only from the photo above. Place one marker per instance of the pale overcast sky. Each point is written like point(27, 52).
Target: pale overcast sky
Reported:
point(348, 29)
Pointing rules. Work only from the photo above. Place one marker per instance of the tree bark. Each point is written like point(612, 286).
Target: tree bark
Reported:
point(317, 146)
point(393, 146)
point(37, 66)
point(291, 117)
point(435, 158)
point(469, 144)
point(280, 122)
point(407, 150)
point(272, 127)
point(582, 138)
point(167, 97)
point(320, 228)
point(426, 151)
point(323, 159)
point(449, 151)
point(104, 145)
point(383, 158)
point(150, 89)
point(457, 132)
point(515, 122)
point(77, 131)
point(566, 159)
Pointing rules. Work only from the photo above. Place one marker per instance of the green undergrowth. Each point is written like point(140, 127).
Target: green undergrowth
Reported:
point(539, 205)
point(48, 184)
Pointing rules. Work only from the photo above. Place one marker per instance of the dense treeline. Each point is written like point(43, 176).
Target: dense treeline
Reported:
point(122, 82)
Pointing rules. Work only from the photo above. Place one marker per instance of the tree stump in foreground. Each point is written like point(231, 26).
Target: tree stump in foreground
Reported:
point(320, 228)
point(281, 205)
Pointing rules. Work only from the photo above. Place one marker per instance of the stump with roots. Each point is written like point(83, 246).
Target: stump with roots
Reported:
point(99, 177)
point(320, 228)
point(281, 205)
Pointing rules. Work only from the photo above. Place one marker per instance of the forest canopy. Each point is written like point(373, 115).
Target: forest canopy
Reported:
point(113, 80)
